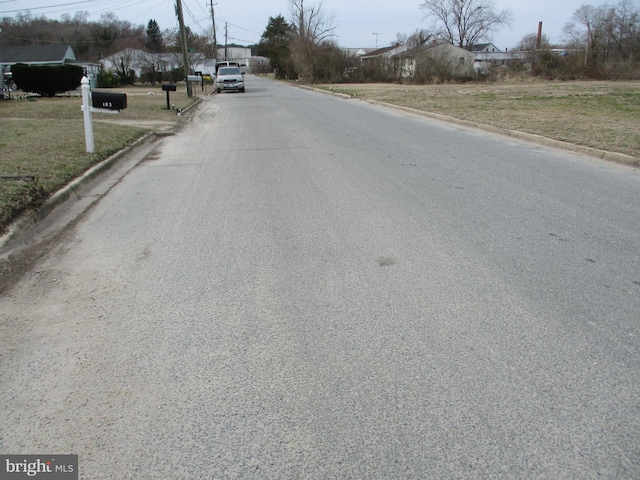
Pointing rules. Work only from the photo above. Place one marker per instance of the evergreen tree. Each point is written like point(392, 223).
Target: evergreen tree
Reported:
point(153, 40)
point(275, 43)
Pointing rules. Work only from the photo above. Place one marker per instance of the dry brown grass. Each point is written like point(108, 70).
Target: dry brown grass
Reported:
point(601, 115)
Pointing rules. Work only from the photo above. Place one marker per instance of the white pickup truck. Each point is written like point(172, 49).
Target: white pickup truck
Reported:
point(229, 79)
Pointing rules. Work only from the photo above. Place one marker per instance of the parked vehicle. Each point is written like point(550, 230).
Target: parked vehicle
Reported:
point(226, 63)
point(229, 79)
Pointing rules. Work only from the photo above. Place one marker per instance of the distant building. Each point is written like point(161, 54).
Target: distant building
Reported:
point(241, 55)
point(488, 55)
point(456, 61)
point(484, 48)
point(381, 54)
point(37, 55)
point(359, 52)
point(139, 62)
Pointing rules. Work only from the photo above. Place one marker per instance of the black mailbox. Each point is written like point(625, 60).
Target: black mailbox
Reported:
point(168, 87)
point(109, 101)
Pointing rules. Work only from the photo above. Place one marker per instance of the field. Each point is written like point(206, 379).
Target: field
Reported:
point(44, 137)
point(601, 115)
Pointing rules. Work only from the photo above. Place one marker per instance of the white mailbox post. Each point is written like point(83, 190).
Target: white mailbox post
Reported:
point(86, 106)
point(102, 103)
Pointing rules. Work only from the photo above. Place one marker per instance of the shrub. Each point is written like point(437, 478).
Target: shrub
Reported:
point(107, 79)
point(436, 68)
point(175, 75)
point(374, 70)
point(150, 76)
point(47, 80)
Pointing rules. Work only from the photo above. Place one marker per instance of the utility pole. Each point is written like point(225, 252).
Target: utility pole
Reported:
point(185, 55)
point(1, 77)
point(226, 41)
point(215, 40)
point(586, 52)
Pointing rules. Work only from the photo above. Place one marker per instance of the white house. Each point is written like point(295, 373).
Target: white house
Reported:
point(487, 55)
point(138, 61)
point(436, 58)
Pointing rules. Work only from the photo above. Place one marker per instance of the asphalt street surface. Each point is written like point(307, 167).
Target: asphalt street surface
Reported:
point(301, 286)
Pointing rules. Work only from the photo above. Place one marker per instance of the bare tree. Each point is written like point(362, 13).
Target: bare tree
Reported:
point(124, 62)
point(312, 30)
point(466, 22)
point(196, 46)
point(529, 43)
point(594, 20)
point(153, 65)
point(401, 38)
point(419, 37)
point(605, 32)
point(624, 30)
point(541, 59)
point(310, 22)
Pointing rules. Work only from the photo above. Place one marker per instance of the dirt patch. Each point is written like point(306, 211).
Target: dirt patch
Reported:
point(17, 265)
point(147, 124)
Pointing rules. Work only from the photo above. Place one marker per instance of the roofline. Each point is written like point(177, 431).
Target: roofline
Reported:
point(47, 62)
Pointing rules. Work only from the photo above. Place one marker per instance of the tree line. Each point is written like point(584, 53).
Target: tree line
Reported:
point(600, 42)
point(94, 40)
point(109, 37)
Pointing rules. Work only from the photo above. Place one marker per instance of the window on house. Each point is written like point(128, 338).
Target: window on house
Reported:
point(461, 60)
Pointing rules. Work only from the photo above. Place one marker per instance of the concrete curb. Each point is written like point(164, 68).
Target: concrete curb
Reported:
point(530, 137)
point(63, 194)
point(28, 219)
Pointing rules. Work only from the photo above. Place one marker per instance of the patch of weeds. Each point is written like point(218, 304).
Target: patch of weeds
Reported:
point(18, 196)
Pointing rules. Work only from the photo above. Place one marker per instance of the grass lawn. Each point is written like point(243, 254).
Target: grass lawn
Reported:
point(44, 137)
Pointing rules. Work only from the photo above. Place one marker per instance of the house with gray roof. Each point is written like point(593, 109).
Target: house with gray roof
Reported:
point(59, 54)
point(37, 55)
point(32, 55)
point(488, 55)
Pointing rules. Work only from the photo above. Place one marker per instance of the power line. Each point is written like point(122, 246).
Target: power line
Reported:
point(121, 3)
point(48, 6)
point(184, 5)
point(207, 13)
point(101, 7)
point(245, 29)
point(56, 42)
point(242, 40)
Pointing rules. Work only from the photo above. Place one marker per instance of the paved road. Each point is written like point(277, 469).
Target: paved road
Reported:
point(300, 286)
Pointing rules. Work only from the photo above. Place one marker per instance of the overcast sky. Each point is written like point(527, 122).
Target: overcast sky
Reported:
point(356, 20)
